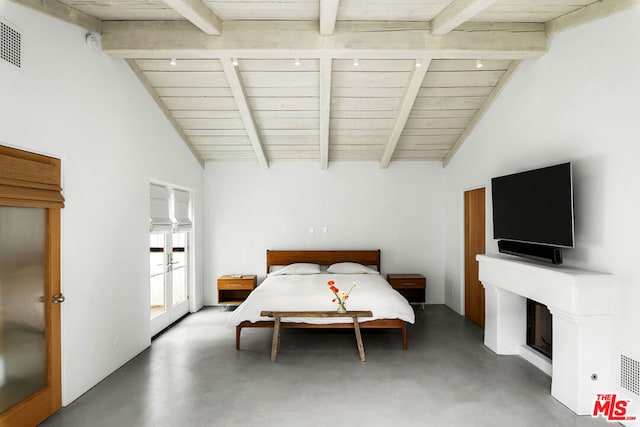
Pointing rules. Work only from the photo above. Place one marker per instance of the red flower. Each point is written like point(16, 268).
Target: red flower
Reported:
point(340, 297)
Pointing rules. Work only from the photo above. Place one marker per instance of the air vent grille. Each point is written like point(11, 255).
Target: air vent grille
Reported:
point(10, 45)
point(630, 374)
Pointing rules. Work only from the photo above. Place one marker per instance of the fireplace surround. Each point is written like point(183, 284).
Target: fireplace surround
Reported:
point(580, 305)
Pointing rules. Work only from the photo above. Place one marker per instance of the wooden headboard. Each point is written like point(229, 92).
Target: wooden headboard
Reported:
point(323, 257)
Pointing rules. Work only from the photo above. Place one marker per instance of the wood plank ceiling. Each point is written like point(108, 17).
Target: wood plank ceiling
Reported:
point(325, 80)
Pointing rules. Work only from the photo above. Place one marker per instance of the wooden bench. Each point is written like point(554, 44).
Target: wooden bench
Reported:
point(278, 315)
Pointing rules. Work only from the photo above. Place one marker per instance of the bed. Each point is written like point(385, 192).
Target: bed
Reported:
point(309, 292)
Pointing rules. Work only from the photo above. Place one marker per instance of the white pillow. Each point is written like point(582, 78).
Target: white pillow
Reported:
point(350, 268)
point(297, 268)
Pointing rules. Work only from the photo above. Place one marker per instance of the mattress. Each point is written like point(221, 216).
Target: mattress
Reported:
point(311, 293)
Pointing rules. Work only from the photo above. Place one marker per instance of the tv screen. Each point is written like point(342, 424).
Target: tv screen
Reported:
point(534, 206)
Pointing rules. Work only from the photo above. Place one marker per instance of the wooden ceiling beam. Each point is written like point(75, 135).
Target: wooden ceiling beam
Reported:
point(59, 10)
point(408, 98)
point(588, 13)
point(497, 90)
point(325, 110)
point(457, 13)
point(199, 14)
point(246, 113)
point(328, 16)
point(278, 39)
point(154, 95)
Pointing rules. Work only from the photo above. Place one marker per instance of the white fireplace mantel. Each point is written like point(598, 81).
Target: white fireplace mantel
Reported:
point(580, 303)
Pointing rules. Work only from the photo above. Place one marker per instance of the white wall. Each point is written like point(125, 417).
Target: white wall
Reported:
point(579, 103)
point(398, 210)
point(91, 111)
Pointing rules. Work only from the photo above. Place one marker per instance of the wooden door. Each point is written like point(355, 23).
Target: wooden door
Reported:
point(474, 243)
point(30, 374)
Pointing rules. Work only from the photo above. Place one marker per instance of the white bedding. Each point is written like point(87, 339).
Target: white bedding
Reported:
point(311, 293)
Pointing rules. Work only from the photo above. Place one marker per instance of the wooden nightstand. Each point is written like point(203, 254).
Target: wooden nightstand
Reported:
point(234, 290)
point(412, 286)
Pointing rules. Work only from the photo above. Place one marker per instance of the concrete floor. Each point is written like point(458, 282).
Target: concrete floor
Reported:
point(193, 376)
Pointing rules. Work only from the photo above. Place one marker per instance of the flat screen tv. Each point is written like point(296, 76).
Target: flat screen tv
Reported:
point(535, 206)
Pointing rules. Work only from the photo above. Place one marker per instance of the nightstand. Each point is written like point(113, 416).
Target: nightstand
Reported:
point(233, 290)
point(412, 286)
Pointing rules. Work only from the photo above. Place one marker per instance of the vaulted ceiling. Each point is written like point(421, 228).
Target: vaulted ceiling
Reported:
point(325, 80)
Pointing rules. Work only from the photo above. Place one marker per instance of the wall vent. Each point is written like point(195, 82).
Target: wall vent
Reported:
point(10, 45)
point(630, 374)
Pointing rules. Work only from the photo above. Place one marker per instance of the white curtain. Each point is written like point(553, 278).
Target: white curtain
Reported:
point(159, 212)
point(180, 214)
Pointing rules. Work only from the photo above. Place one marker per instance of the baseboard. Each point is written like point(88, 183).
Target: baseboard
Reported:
point(537, 359)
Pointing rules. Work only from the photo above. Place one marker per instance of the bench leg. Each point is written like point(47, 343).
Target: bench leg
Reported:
point(278, 346)
point(356, 327)
point(238, 330)
point(275, 343)
point(405, 344)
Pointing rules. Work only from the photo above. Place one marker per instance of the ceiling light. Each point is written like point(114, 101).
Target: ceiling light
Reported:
point(479, 63)
point(296, 62)
point(418, 62)
point(173, 62)
point(356, 62)
point(234, 61)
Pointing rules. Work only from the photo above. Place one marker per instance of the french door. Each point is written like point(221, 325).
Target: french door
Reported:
point(168, 278)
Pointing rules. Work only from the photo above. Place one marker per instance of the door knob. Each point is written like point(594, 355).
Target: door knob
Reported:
point(57, 298)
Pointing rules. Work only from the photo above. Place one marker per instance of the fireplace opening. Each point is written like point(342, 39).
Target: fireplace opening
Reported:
point(539, 327)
